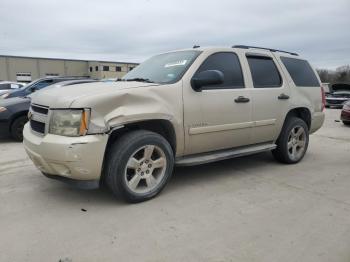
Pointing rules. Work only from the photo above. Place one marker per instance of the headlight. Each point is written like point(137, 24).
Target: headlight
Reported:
point(71, 122)
point(5, 95)
point(2, 109)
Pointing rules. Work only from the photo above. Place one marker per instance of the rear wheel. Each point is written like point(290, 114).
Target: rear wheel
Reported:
point(293, 141)
point(139, 165)
point(17, 128)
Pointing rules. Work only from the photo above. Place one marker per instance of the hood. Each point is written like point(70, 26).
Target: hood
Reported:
point(64, 96)
point(14, 101)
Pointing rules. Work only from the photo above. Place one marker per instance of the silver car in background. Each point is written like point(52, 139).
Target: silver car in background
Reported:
point(5, 86)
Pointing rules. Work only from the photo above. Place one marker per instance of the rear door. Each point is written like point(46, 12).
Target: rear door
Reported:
point(270, 96)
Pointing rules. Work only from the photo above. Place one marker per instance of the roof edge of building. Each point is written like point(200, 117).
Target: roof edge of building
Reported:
point(64, 59)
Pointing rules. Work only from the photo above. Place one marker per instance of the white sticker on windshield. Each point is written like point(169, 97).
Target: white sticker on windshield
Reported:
point(177, 63)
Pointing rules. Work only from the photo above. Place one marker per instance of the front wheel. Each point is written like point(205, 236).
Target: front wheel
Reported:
point(347, 123)
point(17, 128)
point(139, 165)
point(292, 142)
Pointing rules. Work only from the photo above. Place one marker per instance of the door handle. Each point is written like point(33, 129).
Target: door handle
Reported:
point(283, 96)
point(242, 99)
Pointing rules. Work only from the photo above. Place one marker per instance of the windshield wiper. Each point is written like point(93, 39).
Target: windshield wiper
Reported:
point(139, 79)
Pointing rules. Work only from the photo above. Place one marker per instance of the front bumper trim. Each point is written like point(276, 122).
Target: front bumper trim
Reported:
point(80, 184)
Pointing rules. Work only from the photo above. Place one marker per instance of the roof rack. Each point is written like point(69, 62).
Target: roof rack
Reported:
point(264, 48)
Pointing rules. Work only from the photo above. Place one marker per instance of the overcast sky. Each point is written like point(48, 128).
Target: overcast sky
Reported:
point(132, 30)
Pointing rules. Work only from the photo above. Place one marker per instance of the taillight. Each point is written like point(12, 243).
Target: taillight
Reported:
point(323, 99)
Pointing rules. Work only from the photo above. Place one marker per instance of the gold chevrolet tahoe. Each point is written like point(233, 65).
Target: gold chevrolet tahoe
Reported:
point(185, 107)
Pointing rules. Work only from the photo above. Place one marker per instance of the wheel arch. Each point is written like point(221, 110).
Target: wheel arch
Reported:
point(160, 126)
point(302, 113)
point(17, 115)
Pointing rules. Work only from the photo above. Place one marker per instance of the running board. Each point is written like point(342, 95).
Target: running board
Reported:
point(204, 158)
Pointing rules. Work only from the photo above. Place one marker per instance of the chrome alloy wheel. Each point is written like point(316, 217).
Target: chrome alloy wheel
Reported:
point(145, 169)
point(296, 143)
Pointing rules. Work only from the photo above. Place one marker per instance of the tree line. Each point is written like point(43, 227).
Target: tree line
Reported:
point(339, 75)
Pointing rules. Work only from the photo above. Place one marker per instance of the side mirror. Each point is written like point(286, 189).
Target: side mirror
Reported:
point(32, 89)
point(207, 78)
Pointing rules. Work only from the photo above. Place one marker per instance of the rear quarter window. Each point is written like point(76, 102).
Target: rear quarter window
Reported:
point(300, 71)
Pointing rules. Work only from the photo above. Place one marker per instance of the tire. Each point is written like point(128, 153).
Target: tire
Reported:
point(347, 123)
point(17, 128)
point(293, 141)
point(139, 165)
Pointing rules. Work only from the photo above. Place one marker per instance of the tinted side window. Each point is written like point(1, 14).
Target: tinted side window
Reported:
point(264, 72)
point(300, 71)
point(229, 65)
point(4, 86)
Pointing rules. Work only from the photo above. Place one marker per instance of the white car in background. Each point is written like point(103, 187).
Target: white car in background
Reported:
point(5, 86)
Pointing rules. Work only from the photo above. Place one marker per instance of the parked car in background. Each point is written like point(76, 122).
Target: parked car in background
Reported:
point(7, 86)
point(14, 111)
point(186, 107)
point(35, 86)
point(338, 96)
point(345, 114)
point(110, 79)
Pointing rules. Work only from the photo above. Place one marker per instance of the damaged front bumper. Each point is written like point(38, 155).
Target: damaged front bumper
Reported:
point(67, 158)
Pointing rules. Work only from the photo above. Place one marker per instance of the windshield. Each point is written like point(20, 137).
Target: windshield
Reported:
point(28, 85)
point(164, 69)
point(38, 84)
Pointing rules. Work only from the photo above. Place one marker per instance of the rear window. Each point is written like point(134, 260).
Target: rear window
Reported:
point(264, 72)
point(300, 71)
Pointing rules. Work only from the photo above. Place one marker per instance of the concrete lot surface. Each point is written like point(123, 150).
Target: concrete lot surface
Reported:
point(245, 209)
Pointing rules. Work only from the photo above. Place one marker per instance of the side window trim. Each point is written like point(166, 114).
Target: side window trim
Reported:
point(258, 55)
point(224, 87)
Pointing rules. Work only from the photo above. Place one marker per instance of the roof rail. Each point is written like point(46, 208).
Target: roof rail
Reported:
point(264, 48)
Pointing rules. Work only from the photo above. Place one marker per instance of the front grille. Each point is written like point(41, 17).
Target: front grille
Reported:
point(40, 109)
point(37, 126)
point(38, 118)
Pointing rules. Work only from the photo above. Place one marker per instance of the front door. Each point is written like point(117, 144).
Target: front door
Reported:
point(218, 116)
